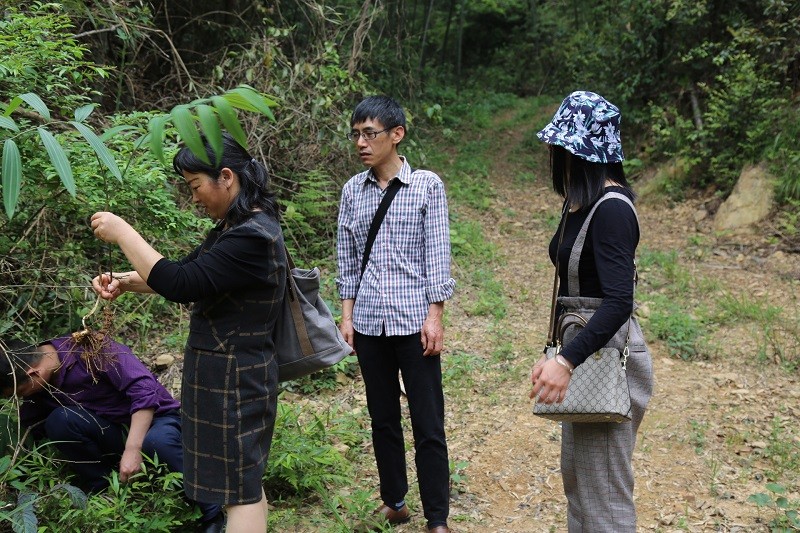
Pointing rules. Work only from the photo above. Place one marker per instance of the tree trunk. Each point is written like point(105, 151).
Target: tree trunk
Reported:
point(447, 31)
point(364, 22)
point(696, 113)
point(428, 16)
point(461, 15)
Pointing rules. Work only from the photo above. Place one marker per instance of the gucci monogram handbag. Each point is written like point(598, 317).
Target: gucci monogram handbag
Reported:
point(598, 389)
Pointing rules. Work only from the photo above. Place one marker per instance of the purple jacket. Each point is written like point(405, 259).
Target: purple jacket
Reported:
point(126, 386)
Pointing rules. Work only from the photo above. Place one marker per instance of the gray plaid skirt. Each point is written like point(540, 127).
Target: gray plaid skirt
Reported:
point(229, 403)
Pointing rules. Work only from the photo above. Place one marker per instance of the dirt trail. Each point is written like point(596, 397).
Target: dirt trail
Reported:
point(702, 445)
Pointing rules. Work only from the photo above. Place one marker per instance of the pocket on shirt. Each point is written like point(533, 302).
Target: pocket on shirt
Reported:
point(406, 230)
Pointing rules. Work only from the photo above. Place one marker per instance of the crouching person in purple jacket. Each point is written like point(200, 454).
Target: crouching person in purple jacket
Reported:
point(101, 406)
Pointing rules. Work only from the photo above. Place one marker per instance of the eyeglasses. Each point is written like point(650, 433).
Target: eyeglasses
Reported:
point(366, 135)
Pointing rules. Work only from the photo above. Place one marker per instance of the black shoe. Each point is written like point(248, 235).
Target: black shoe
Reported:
point(215, 525)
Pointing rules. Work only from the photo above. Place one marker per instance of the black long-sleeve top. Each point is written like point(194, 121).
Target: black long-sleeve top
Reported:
point(236, 281)
point(606, 270)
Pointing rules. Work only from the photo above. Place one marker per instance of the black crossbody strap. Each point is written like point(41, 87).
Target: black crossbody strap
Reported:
point(377, 220)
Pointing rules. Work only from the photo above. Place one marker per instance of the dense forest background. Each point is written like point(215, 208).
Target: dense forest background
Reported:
point(705, 86)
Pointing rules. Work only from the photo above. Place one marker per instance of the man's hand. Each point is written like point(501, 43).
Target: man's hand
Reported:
point(131, 461)
point(346, 326)
point(433, 330)
point(130, 464)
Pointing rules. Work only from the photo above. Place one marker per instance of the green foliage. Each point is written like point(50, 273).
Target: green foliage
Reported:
point(786, 513)
point(459, 368)
point(783, 450)
point(783, 157)
point(181, 117)
point(697, 435)
point(305, 456)
point(679, 330)
point(307, 216)
point(328, 379)
point(467, 241)
point(43, 498)
point(458, 476)
point(739, 124)
point(734, 308)
point(39, 50)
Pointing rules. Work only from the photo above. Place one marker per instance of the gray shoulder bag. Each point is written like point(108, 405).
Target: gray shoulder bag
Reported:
point(306, 337)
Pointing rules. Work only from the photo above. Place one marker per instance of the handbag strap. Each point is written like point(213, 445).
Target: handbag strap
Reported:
point(377, 220)
point(294, 305)
point(552, 334)
point(573, 281)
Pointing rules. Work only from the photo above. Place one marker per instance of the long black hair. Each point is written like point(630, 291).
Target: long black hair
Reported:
point(254, 193)
point(582, 182)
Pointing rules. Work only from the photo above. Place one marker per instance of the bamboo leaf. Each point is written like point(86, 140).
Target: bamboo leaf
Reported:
point(248, 99)
point(36, 104)
point(184, 123)
point(12, 176)
point(12, 106)
point(156, 128)
point(229, 119)
point(113, 131)
point(83, 112)
point(99, 148)
point(59, 159)
point(8, 123)
point(210, 126)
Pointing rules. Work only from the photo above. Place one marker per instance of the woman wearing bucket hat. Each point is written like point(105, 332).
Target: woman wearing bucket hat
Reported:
point(586, 164)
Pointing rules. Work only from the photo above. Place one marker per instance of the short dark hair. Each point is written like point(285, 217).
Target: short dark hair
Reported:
point(254, 190)
point(379, 107)
point(582, 182)
point(16, 357)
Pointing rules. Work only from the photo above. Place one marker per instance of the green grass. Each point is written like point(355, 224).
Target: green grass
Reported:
point(459, 370)
point(671, 323)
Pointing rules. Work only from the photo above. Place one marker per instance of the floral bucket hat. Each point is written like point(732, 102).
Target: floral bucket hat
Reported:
point(587, 125)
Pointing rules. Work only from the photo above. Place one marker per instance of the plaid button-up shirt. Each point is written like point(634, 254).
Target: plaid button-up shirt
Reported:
point(409, 266)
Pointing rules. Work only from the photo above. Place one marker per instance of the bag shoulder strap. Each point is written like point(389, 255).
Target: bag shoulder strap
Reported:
point(573, 284)
point(552, 334)
point(294, 305)
point(377, 220)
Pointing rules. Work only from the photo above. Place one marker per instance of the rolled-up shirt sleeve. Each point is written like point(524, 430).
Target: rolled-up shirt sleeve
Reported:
point(439, 284)
point(346, 250)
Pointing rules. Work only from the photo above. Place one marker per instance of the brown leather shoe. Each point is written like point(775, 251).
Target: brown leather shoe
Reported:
point(383, 515)
point(394, 517)
point(439, 529)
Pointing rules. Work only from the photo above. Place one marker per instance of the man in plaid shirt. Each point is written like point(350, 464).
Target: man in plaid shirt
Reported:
point(392, 314)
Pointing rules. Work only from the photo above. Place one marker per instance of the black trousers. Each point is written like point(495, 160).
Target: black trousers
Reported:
point(380, 359)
